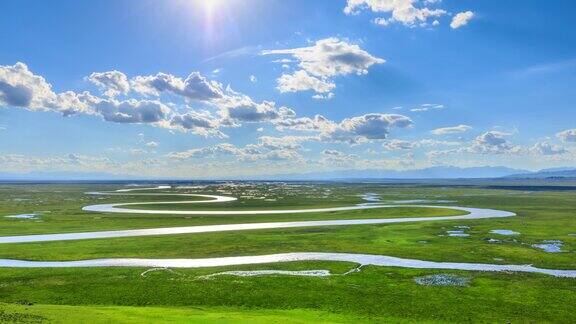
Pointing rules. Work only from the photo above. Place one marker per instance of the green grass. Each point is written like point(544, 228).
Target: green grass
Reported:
point(374, 294)
point(86, 222)
point(130, 314)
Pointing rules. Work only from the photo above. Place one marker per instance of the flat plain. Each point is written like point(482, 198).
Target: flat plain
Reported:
point(544, 236)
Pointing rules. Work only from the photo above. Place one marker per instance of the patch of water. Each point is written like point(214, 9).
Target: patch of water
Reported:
point(550, 246)
point(24, 216)
point(371, 197)
point(474, 213)
point(457, 233)
point(362, 259)
point(421, 201)
point(442, 280)
point(504, 232)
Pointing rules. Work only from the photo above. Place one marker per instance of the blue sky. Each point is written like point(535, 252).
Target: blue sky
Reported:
point(188, 88)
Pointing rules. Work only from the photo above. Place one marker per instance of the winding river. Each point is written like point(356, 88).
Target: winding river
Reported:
point(362, 259)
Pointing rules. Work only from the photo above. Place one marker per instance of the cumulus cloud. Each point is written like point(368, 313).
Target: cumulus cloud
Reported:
point(322, 61)
point(112, 82)
point(330, 57)
point(335, 157)
point(399, 11)
point(250, 152)
point(352, 130)
point(461, 19)
point(284, 142)
point(451, 130)
point(194, 87)
point(317, 123)
point(487, 143)
point(131, 111)
point(545, 148)
point(200, 123)
point(244, 109)
point(224, 149)
point(367, 127)
point(493, 142)
point(568, 135)
point(398, 145)
point(21, 88)
point(302, 81)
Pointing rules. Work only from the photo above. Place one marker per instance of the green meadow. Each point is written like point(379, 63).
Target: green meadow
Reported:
point(372, 294)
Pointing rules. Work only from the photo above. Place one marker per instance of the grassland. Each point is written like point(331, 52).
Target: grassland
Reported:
point(373, 294)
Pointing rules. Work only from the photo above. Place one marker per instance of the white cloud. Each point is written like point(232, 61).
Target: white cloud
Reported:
point(333, 153)
point(493, 142)
point(302, 81)
point(331, 57)
point(430, 142)
point(401, 11)
point(112, 82)
point(427, 107)
point(19, 87)
point(219, 149)
point(131, 111)
point(353, 130)
point(398, 145)
point(327, 96)
point(245, 110)
point(322, 61)
point(194, 87)
point(317, 123)
point(545, 148)
point(69, 162)
point(284, 142)
point(248, 153)
point(363, 128)
point(335, 157)
point(152, 144)
point(461, 19)
point(199, 123)
point(568, 135)
point(451, 130)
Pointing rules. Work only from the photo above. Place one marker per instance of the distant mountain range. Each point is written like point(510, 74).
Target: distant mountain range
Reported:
point(439, 172)
point(555, 173)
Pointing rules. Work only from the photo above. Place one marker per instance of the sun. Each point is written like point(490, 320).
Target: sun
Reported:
point(210, 7)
